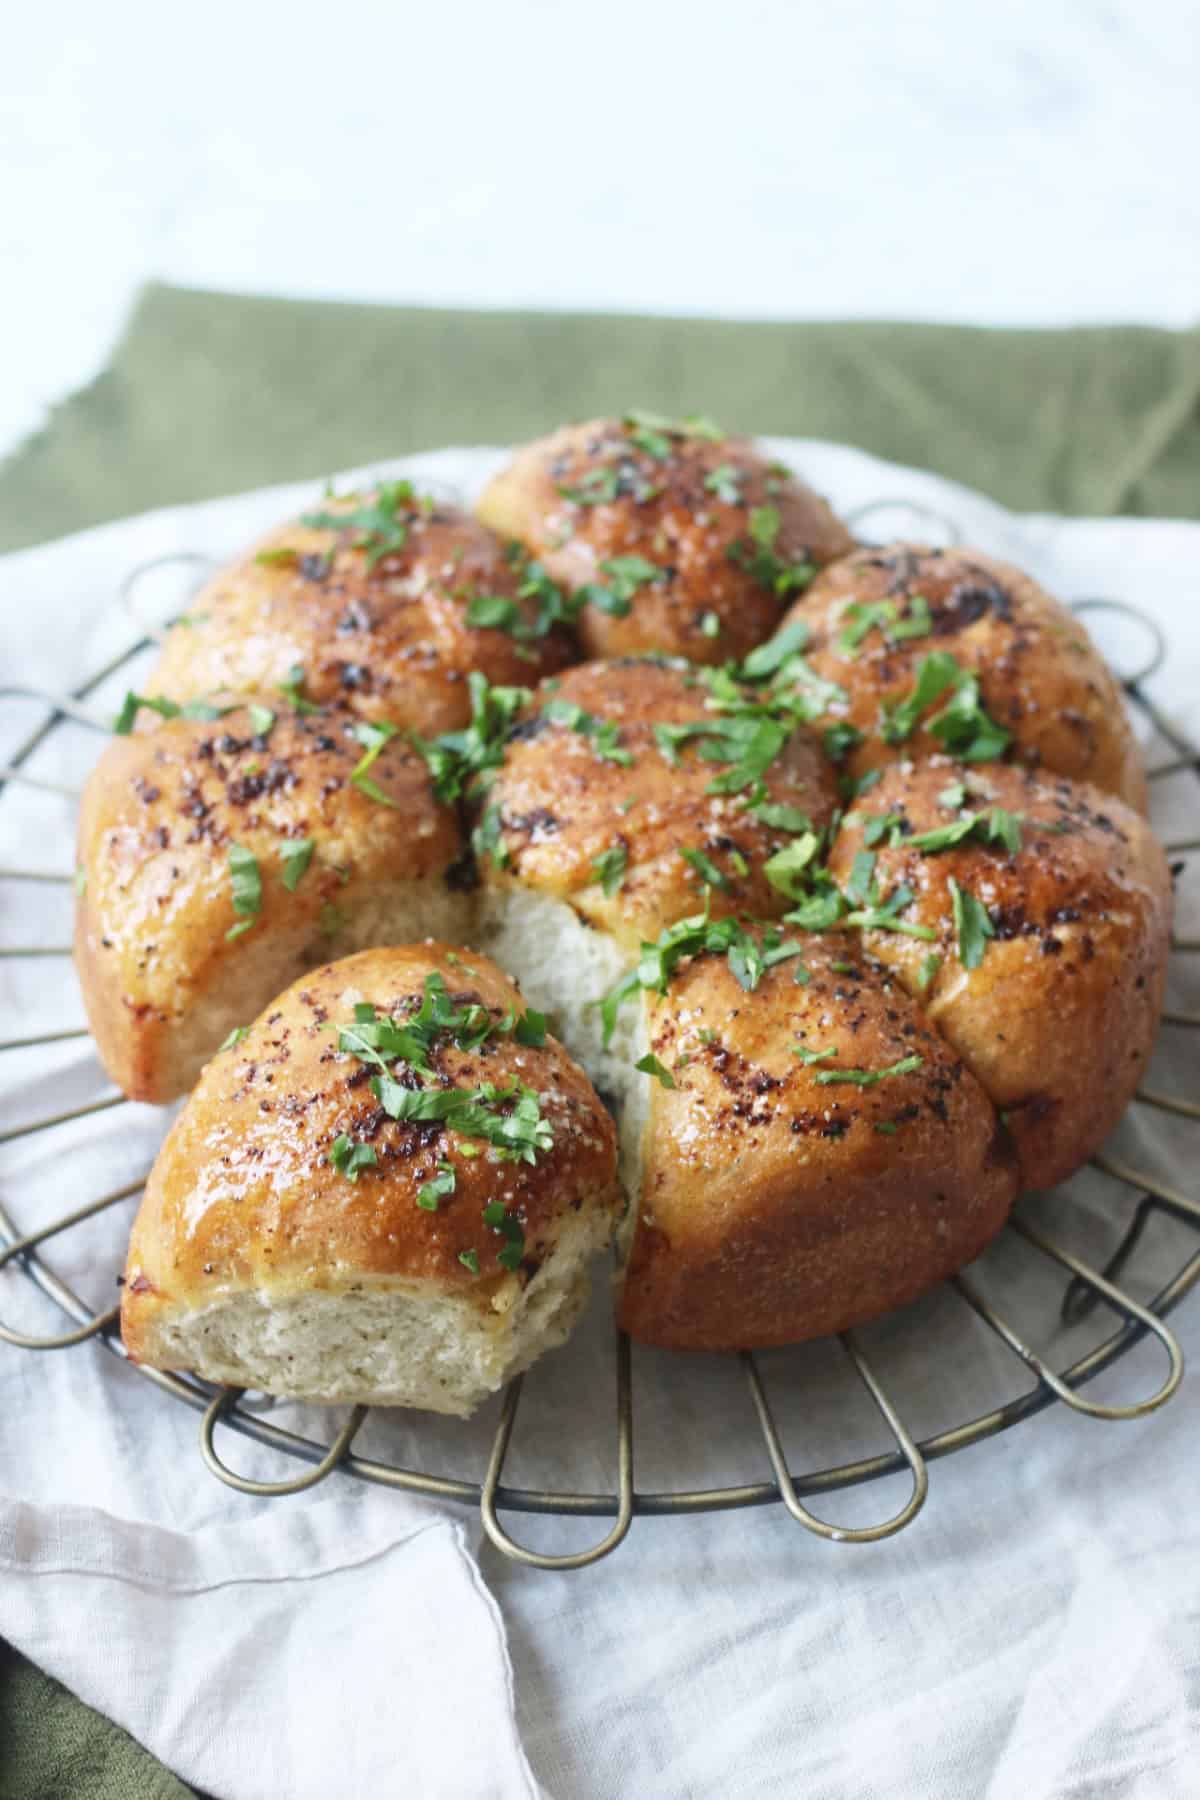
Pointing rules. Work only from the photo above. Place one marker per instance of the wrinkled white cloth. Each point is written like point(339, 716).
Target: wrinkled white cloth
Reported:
point(1033, 1633)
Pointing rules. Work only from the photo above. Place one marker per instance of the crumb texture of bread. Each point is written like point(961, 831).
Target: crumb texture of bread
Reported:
point(696, 539)
point(375, 619)
point(261, 1255)
point(1056, 1005)
point(818, 1155)
point(877, 615)
point(168, 965)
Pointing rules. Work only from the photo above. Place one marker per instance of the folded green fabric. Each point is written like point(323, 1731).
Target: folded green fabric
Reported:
point(213, 393)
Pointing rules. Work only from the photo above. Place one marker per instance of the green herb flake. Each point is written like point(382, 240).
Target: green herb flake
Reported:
point(261, 719)
point(927, 973)
point(650, 1065)
point(292, 688)
point(283, 556)
point(431, 1193)
point(609, 869)
point(864, 1078)
point(972, 924)
point(132, 704)
point(809, 1057)
point(707, 869)
point(767, 659)
point(374, 736)
point(295, 856)
point(349, 1157)
point(381, 523)
point(725, 482)
point(237, 1036)
point(246, 878)
point(469, 1260)
point(602, 734)
point(790, 869)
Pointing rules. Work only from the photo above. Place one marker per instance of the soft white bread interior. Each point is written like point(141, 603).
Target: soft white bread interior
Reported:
point(332, 1234)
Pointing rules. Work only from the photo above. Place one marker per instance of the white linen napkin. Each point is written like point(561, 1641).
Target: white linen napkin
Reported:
point(1034, 1633)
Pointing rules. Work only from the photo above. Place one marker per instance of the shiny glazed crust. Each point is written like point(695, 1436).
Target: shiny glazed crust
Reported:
point(1040, 675)
point(162, 980)
point(243, 1197)
point(703, 605)
point(1059, 1018)
point(777, 1207)
point(561, 806)
point(391, 642)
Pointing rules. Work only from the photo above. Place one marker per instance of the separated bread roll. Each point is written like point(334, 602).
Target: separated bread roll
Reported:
point(919, 641)
point(387, 1193)
point(672, 536)
point(386, 605)
point(807, 1155)
point(1043, 912)
point(220, 858)
point(624, 802)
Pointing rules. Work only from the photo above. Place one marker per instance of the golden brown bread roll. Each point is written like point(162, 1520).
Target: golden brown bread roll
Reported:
point(879, 615)
point(1044, 938)
point(333, 1219)
point(682, 540)
point(818, 1156)
point(376, 613)
point(603, 826)
point(220, 858)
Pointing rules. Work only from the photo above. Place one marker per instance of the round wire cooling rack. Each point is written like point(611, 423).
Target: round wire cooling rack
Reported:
point(1085, 1286)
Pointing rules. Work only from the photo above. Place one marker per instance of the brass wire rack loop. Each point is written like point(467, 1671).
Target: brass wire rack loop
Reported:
point(239, 1413)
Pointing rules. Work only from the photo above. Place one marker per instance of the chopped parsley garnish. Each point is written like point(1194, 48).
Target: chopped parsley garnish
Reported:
point(293, 690)
point(166, 709)
point(808, 1057)
point(927, 973)
point(993, 827)
point(469, 1260)
point(602, 734)
point(487, 838)
point(627, 575)
point(609, 869)
point(767, 659)
point(431, 1193)
point(790, 869)
point(953, 796)
point(757, 555)
point(725, 482)
point(374, 736)
point(883, 615)
point(865, 1078)
point(295, 857)
point(780, 817)
point(650, 1065)
point(261, 719)
point(512, 1251)
point(707, 869)
point(962, 726)
point(348, 1157)
point(597, 488)
point(458, 759)
point(748, 958)
point(710, 625)
point(247, 888)
point(382, 523)
point(236, 1036)
point(651, 428)
point(973, 925)
point(840, 739)
point(883, 825)
point(884, 915)
point(496, 612)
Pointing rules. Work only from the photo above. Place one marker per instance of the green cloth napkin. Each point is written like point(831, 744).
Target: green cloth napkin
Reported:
point(213, 393)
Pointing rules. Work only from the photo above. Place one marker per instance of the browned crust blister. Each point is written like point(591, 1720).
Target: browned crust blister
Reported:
point(561, 805)
point(244, 1195)
point(1041, 677)
point(674, 510)
point(391, 640)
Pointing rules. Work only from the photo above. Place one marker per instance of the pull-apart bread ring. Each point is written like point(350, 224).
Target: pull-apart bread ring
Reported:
point(808, 1155)
point(219, 858)
point(952, 652)
point(388, 1192)
point(1032, 916)
point(384, 602)
point(669, 536)
point(623, 800)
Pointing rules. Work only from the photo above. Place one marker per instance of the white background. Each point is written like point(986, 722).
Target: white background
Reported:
point(1027, 163)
